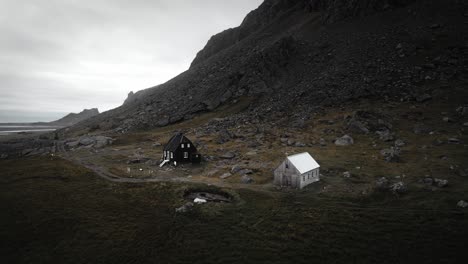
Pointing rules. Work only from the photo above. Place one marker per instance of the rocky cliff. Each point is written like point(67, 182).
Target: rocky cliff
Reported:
point(293, 56)
point(271, 10)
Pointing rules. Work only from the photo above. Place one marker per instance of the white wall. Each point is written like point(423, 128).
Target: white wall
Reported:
point(309, 177)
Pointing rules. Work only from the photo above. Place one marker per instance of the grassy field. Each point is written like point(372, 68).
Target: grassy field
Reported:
point(55, 212)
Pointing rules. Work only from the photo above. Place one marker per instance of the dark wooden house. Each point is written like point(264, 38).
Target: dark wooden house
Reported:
point(180, 149)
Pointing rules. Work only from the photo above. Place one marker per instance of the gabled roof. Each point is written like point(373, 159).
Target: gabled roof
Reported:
point(303, 162)
point(175, 142)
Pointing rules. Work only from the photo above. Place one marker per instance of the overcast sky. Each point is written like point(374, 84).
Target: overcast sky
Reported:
point(61, 56)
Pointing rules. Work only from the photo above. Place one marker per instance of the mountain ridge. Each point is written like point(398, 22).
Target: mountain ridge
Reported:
point(324, 52)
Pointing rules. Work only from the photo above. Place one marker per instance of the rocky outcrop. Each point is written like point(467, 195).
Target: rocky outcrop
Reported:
point(88, 141)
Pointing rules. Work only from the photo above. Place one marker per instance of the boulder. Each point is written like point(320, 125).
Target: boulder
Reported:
point(399, 187)
point(228, 155)
point(462, 204)
point(441, 183)
point(246, 179)
point(423, 98)
point(462, 110)
point(357, 127)
point(73, 144)
point(322, 142)
point(102, 141)
point(382, 183)
point(299, 145)
point(347, 174)
point(447, 119)
point(345, 140)
point(399, 143)
point(392, 154)
point(428, 181)
point(86, 141)
point(236, 168)
point(225, 175)
point(184, 208)
point(385, 135)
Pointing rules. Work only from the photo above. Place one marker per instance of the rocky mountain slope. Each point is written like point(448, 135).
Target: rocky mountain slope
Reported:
point(74, 118)
point(292, 57)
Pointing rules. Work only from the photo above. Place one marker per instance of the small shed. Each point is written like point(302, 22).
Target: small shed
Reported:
point(297, 171)
point(179, 149)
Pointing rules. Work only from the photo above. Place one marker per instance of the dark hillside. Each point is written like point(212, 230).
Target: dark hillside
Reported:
point(298, 55)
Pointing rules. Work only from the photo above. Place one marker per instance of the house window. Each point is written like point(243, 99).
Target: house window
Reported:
point(287, 166)
point(303, 177)
point(188, 145)
point(172, 155)
point(185, 155)
point(182, 145)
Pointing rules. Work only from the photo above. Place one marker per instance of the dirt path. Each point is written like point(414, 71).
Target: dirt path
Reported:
point(104, 173)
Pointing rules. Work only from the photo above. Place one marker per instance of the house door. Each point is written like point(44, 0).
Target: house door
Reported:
point(286, 180)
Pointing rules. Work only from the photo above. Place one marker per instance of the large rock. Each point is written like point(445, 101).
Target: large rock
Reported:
point(462, 110)
point(73, 144)
point(385, 135)
point(225, 175)
point(382, 183)
point(345, 140)
point(399, 143)
point(357, 127)
point(246, 179)
point(236, 168)
point(185, 208)
point(299, 145)
point(441, 182)
point(392, 154)
point(102, 141)
point(398, 187)
point(423, 98)
point(86, 141)
point(322, 142)
point(462, 204)
point(228, 155)
point(428, 181)
point(347, 174)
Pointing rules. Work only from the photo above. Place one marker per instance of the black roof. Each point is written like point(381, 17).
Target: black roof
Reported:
point(175, 141)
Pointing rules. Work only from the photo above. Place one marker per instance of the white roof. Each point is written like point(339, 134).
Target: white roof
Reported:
point(303, 162)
